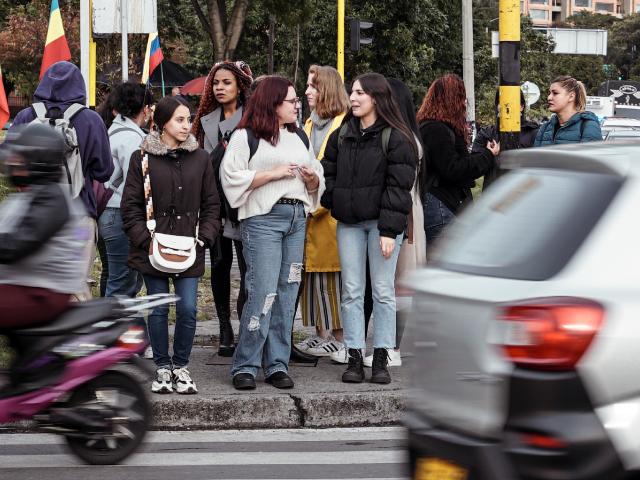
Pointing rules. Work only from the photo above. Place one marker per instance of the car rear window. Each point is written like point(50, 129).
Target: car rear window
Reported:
point(528, 225)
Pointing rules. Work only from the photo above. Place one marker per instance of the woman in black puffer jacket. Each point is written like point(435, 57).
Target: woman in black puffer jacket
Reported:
point(370, 168)
point(451, 169)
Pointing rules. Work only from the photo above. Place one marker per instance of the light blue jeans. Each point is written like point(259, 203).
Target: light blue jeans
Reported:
point(273, 247)
point(355, 242)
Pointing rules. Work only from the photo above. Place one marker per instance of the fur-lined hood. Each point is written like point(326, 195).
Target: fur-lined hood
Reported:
point(153, 145)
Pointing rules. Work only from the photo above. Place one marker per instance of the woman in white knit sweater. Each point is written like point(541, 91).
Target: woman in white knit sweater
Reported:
point(269, 173)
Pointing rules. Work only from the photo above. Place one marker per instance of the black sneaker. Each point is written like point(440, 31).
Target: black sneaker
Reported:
point(280, 380)
point(379, 372)
point(355, 371)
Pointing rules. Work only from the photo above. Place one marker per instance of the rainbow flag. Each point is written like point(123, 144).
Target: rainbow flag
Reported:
point(153, 57)
point(4, 105)
point(56, 48)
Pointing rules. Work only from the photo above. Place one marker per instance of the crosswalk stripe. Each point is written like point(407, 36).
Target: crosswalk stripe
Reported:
point(283, 435)
point(212, 458)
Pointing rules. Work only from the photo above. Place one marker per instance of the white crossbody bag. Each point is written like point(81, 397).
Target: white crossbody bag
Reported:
point(167, 253)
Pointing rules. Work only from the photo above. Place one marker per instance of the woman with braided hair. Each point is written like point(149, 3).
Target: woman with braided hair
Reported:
point(225, 93)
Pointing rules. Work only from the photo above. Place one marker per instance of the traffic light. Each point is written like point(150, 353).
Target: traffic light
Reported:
point(357, 26)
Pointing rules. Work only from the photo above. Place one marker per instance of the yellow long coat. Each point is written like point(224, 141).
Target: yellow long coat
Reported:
point(321, 245)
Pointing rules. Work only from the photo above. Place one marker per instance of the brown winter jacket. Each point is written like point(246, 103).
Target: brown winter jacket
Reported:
point(183, 185)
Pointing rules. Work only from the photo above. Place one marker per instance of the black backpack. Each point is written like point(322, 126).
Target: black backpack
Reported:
point(216, 156)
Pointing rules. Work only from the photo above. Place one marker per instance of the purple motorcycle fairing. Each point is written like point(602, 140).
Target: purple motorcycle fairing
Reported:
point(76, 373)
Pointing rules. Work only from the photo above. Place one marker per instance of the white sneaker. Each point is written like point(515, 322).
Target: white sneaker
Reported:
point(394, 358)
point(308, 343)
point(326, 348)
point(341, 356)
point(162, 383)
point(148, 353)
point(182, 379)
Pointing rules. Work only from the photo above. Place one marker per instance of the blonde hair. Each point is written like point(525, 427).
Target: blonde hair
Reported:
point(570, 84)
point(332, 97)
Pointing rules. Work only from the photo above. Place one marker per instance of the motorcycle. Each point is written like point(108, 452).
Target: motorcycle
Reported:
point(70, 377)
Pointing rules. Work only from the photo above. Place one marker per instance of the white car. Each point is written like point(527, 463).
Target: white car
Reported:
point(618, 123)
point(526, 327)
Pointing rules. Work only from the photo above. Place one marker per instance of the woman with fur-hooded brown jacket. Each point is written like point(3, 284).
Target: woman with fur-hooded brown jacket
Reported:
point(185, 203)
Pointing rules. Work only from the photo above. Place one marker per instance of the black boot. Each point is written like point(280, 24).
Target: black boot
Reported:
point(379, 372)
point(355, 371)
point(226, 345)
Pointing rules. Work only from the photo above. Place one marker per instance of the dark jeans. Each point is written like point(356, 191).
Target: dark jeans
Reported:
point(187, 290)
point(221, 262)
point(436, 217)
point(122, 280)
point(104, 273)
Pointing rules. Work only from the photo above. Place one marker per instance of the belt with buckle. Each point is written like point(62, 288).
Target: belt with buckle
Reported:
point(289, 201)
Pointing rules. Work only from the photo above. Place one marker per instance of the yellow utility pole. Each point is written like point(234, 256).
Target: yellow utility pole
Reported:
point(509, 26)
point(340, 62)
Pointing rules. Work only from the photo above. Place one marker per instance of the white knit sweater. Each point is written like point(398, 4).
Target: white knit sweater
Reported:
point(237, 173)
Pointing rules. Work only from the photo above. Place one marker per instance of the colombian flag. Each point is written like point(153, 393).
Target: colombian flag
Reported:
point(153, 57)
point(56, 48)
point(4, 105)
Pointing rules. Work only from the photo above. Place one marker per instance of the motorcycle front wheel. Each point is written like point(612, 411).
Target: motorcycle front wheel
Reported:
point(120, 405)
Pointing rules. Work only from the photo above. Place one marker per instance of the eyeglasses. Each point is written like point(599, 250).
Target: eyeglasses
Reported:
point(293, 101)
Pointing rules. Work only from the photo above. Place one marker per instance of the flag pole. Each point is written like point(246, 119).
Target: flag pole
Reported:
point(162, 77)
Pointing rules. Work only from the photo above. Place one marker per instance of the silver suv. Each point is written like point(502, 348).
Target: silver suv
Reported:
point(526, 327)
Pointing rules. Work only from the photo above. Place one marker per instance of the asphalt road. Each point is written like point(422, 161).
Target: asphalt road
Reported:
point(337, 454)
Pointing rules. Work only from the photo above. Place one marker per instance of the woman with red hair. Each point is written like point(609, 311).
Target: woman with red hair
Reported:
point(451, 169)
point(225, 93)
point(270, 174)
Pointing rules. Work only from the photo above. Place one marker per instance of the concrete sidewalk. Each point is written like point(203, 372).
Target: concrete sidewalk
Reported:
point(319, 398)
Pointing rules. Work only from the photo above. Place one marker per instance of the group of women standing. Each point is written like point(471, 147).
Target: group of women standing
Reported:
point(316, 215)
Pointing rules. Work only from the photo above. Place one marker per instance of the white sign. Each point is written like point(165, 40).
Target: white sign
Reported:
point(142, 16)
point(531, 93)
point(577, 41)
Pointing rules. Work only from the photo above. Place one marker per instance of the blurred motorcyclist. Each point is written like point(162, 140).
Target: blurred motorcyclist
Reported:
point(43, 258)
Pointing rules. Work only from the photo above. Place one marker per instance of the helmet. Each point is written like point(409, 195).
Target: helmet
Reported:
point(33, 155)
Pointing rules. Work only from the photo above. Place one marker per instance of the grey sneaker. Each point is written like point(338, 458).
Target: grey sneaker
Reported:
point(183, 382)
point(162, 383)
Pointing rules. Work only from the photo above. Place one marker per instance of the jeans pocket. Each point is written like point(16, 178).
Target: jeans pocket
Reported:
point(108, 218)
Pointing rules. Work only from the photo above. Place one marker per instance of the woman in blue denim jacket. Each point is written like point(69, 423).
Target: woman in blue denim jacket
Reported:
point(570, 123)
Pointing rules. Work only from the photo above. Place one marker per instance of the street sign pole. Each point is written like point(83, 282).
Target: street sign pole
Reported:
point(85, 34)
point(509, 31)
point(467, 58)
point(124, 25)
point(340, 60)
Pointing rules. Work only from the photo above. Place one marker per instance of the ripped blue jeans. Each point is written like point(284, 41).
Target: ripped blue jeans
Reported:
point(273, 247)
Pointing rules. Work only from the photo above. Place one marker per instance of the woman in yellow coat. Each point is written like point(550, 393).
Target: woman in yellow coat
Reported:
point(329, 103)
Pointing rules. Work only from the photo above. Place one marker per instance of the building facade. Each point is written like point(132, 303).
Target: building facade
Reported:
point(548, 12)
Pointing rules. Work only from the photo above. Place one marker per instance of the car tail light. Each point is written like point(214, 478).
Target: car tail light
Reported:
point(549, 334)
point(133, 339)
point(542, 441)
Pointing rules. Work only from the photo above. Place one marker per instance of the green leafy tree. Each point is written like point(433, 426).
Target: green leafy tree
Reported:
point(624, 46)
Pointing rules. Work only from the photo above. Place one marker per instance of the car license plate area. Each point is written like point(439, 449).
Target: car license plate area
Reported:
point(438, 469)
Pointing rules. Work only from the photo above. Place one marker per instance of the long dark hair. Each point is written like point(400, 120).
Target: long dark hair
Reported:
point(404, 99)
point(377, 87)
point(208, 103)
point(131, 98)
point(260, 113)
point(165, 109)
point(445, 101)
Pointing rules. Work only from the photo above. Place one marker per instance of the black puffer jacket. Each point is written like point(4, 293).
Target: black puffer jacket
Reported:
point(364, 185)
point(528, 131)
point(450, 166)
point(184, 194)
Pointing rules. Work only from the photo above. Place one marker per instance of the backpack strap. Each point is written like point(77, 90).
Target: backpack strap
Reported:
point(71, 112)
point(303, 136)
point(386, 135)
point(125, 129)
point(341, 134)
point(253, 142)
point(40, 110)
point(148, 197)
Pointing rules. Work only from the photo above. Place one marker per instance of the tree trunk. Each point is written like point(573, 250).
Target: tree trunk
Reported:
point(235, 27)
point(272, 35)
point(297, 64)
